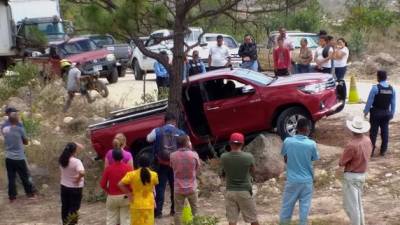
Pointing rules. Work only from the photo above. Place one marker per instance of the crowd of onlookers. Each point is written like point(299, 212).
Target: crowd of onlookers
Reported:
point(135, 187)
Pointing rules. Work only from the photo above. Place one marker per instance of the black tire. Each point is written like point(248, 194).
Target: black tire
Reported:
point(121, 71)
point(101, 88)
point(3, 66)
point(148, 151)
point(287, 121)
point(113, 76)
point(137, 72)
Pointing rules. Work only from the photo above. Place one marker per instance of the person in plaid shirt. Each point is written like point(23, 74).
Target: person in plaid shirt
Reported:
point(185, 163)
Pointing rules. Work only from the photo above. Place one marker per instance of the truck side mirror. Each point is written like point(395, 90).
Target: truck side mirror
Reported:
point(248, 89)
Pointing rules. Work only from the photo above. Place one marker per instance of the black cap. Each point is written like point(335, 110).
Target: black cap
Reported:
point(10, 110)
point(220, 37)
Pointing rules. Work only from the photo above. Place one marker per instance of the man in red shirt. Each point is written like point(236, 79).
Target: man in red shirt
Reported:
point(282, 59)
point(117, 202)
point(355, 162)
point(185, 163)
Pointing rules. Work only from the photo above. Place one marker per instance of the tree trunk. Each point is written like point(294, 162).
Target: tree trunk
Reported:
point(175, 90)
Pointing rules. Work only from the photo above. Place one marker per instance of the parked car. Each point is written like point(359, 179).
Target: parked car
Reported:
point(295, 37)
point(122, 52)
point(221, 102)
point(82, 50)
point(211, 40)
point(142, 63)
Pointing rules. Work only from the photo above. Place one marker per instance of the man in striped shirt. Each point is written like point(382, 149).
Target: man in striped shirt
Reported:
point(185, 163)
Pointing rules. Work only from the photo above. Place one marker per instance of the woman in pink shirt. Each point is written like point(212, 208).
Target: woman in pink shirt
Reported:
point(119, 142)
point(72, 181)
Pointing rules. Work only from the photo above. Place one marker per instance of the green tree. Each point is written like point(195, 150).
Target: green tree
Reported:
point(129, 19)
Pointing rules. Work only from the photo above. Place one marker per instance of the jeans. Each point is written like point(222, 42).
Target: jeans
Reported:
point(165, 174)
point(180, 204)
point(352, 197)
point(251, 65)
point(70, 204)
point(294, 192)
point(325, 70)
point(380, 119)
point(19, 167)
point(340, 72)
point(282, 72)
point(303, 68)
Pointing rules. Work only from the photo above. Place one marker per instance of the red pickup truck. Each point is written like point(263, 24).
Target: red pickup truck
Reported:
point(224, 101)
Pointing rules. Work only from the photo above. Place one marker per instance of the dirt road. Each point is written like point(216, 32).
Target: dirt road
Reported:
point(382, 193)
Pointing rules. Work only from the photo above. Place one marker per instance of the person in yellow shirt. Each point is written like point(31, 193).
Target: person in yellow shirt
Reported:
point(139, 185)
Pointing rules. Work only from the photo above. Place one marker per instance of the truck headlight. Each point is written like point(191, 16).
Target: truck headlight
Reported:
point(313, 88)
point(110, 57)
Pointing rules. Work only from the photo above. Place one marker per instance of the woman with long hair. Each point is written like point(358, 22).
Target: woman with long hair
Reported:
point(340, 57)
point(119, 143)
point(72, 182)
point(142, 183)
point(117, 202)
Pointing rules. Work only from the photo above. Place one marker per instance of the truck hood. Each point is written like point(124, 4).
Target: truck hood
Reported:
point(88, 56)
point(305, 78)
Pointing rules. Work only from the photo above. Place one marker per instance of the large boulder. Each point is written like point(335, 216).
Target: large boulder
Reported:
point(209, 180)
point(385, 59)
point(77, 124)
point(266, 150)
point(17, 103)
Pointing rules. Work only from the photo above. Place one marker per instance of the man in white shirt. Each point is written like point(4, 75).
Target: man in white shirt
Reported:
point(323, 55)
point(219, 55)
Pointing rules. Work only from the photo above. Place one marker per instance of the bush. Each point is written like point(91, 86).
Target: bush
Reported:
point(20, 75)
point(203, 220)
point(357, 43)
point(32, 126)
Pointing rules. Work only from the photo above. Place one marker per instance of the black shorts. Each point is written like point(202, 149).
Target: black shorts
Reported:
point(281, 72)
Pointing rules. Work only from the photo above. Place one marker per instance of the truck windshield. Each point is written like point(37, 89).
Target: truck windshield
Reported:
point(102, 40)
point(253, 76)
point(193, 36)
point(49, 28)
point(228, 41)
point(77, 47)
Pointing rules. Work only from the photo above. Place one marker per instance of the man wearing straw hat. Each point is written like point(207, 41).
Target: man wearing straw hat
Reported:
point(355, 162)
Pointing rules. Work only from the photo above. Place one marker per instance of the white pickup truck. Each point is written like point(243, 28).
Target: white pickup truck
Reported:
point(142, 64)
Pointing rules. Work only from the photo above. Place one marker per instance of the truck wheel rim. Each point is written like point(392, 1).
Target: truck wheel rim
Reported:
point(291, 124)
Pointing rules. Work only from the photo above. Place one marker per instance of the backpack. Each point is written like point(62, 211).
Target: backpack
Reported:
point(168, 144)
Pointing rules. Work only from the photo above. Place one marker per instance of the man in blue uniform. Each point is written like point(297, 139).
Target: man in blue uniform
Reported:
point(381, 105)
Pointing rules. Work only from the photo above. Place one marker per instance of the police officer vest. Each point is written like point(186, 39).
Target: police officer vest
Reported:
point(194, 67)
point(383, 98)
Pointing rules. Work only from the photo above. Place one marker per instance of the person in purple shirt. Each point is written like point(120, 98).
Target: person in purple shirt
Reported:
point(119, 142)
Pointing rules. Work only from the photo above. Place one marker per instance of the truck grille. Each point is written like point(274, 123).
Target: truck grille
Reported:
point(331, 83)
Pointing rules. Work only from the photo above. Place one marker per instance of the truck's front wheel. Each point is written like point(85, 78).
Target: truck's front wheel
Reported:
point(287, 121)
point(113, 76)
point(137, 71)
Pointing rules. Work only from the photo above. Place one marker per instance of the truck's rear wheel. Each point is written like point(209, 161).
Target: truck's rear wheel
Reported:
point(137, 72)
point(102, 88)
point(3, 66)
point(113, 76)
point(287, 121)
point(121, 71)
point(146, 151)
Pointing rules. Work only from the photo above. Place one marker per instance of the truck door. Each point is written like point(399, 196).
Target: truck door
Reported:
point(232, 106)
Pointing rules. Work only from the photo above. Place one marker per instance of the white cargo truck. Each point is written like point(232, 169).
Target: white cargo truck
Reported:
point(7, 35)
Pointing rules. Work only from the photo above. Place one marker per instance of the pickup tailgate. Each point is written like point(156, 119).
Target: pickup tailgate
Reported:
point(135, 123)
point(121, 51)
